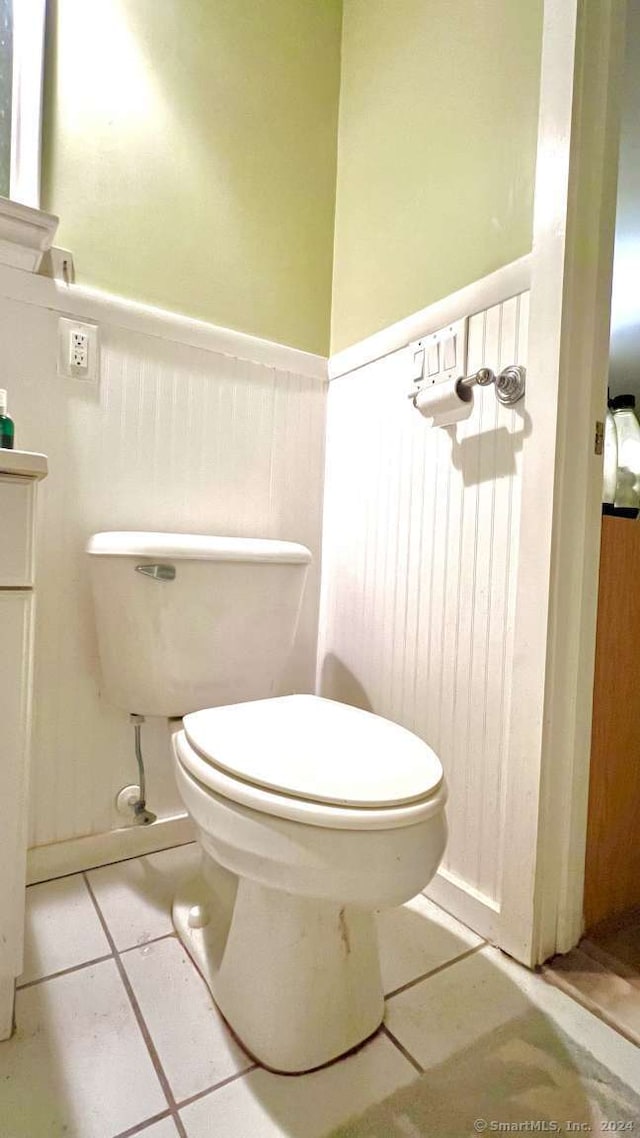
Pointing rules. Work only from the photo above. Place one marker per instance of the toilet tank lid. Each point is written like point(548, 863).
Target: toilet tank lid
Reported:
point(196, 547)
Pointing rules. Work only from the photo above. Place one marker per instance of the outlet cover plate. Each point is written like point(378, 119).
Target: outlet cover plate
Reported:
point(66, 369)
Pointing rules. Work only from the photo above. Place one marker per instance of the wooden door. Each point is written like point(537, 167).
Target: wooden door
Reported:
point(612, 870)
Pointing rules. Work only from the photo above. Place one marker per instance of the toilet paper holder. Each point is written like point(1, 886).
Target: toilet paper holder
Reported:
point(509, 384)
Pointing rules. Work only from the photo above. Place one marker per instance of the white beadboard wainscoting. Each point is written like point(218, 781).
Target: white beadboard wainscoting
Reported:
point(178, 434)
point(420, 550)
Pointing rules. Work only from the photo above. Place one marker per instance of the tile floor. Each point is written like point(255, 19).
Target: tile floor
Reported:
point(100, 1052)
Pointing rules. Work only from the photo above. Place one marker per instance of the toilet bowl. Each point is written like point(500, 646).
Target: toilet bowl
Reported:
point(310, 814)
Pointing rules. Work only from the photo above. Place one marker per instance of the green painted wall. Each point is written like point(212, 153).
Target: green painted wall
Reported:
point(190, 151)
point(436, 158)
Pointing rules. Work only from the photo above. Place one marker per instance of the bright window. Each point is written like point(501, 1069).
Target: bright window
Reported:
point(6, 54)
point(21, 70)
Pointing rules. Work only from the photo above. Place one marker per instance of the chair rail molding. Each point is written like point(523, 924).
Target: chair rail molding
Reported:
point(119, 312)
point(506, 282)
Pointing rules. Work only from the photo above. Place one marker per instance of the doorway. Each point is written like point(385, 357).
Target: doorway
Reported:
point(603, 970)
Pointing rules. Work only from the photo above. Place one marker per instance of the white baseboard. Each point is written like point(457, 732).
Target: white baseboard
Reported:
point(467, 904)
point(77, 854)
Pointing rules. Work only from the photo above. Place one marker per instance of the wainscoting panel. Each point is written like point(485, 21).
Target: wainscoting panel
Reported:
point(173, 437)
point(419, 571)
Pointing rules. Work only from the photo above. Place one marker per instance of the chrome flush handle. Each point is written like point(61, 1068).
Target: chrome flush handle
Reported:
point(158, 572)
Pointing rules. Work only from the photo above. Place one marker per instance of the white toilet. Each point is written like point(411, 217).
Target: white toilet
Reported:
point(310, 813)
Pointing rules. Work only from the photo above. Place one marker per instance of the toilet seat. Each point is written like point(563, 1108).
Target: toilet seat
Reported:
point(315, 761)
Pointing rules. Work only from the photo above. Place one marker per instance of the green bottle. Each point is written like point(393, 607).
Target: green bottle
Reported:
point(6, 424)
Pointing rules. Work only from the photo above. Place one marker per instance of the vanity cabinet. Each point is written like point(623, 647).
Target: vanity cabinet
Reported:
point(20, 473)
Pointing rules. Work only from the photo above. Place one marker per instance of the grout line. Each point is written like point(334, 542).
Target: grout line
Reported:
point(434, 971)
point(153, 1054)
point(173, 1107)
point(145, 943)
point(216, 1086)
point(402, 1049)
point(64, 972)
point(140, 1127)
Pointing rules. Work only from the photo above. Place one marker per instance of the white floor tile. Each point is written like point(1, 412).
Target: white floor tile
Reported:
point(262, 1105)
point(447, 1012)
point(62, 928)
point(416, 938)
point(457, 1007)
point(77, 1065)
point(135, 896)
point(195, 1048)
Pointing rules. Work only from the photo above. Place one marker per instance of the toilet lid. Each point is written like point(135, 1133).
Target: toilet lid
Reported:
point(316, 749)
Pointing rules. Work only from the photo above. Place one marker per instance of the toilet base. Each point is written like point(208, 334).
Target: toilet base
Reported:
point(297, 979)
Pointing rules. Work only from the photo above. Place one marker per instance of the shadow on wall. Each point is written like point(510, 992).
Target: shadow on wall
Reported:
point(489, 455)
point(337, 682)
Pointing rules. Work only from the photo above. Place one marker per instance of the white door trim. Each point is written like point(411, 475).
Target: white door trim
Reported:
point(546, 795)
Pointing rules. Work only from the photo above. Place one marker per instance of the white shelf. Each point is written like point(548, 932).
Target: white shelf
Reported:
point(23, 462)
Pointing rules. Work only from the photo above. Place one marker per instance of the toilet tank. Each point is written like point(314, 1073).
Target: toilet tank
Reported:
point(186, 621)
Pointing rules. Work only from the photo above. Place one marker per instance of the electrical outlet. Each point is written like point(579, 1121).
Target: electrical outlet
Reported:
point(79, 353)
point(77, 350)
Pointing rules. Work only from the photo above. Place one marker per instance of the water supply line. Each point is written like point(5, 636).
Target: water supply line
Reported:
point(142, 816)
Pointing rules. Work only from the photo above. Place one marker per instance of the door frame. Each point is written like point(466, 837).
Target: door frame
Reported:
point(546, 792)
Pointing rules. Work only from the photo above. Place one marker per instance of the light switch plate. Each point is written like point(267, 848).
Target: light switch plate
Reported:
point(78, 350)
point(445, 353)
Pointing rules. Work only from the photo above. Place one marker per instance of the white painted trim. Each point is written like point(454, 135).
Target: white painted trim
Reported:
point(25, 235)
point(77, 854)
point(584, 356)
point(103, 308)
point(504, 283)
point(546, 793)
point(26, 101)
point(467, 904)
